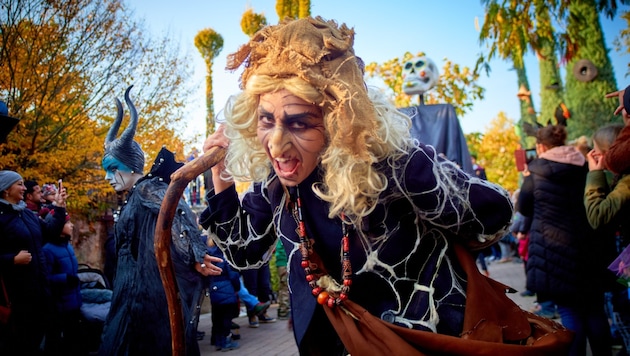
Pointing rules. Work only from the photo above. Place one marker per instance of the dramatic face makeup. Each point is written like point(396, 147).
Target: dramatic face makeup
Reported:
point(117, 174)
point(292, 132)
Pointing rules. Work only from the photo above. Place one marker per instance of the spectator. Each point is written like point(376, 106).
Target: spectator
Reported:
point(33, 196)
point(64, 334)
point(480, 172)
point(520, 228)
point(138, 321)
point(258, 283)
point(564, 256)
point(224, 301)
point(334, 168)
point(252, 305)
point(490, 251)
point(607, 201)
point(22, 265)
point(617, 157)
point(48, 196)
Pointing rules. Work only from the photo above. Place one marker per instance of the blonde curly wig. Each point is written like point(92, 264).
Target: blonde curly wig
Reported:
point(314, 60)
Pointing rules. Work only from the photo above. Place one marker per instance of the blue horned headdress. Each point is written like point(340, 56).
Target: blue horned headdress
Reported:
point(125, 149)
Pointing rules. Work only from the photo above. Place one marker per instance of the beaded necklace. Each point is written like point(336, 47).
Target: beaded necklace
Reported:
point(324, 287)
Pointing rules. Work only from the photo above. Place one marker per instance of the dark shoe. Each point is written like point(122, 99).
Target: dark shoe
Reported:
point(253, 321)
point(230, 345)
point(225, 343)
point(200, 335)
point(234, 326)
point(260, 308)
point(235, 335)
point(527, 293)
point(264, 318)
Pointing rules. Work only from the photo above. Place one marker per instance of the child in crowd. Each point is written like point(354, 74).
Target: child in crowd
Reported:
point(48, 196)
point(224, 301)
point(64, 334)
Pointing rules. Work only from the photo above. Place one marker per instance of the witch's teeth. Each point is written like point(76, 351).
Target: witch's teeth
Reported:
point(286, 165)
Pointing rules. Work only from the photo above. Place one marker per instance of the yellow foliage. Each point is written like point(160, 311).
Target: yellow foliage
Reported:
point(61, 71)
point(495, 152)
point(251, 22)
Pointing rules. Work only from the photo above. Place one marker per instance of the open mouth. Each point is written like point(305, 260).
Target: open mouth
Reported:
point(286, 168)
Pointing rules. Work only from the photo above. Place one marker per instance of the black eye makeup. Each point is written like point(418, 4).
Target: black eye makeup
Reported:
point(293, 122)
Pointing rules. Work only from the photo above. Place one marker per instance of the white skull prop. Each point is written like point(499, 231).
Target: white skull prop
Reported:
point(419, 75)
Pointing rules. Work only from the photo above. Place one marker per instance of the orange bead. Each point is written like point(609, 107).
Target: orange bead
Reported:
point(322, 298)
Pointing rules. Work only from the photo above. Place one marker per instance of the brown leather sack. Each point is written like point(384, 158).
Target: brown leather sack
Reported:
point(493, 325)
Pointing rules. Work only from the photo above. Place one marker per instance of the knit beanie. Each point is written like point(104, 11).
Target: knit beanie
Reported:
point(7, 178)
point(49, 189)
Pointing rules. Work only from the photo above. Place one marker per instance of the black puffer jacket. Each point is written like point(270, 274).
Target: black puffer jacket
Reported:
point(564, 255)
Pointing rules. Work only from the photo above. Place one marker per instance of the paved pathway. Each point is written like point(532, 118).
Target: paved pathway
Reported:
point(277, 339)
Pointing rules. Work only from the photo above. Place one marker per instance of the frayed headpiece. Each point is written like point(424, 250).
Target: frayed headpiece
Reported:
point(125, 149)
point(319, 52)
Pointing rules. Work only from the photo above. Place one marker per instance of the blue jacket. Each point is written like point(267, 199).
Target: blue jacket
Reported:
point(223, 288)
point(62, 267)
point(22, 230)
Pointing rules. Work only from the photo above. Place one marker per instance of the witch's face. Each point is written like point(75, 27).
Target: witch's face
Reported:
point(292, 132)
point(117, 174)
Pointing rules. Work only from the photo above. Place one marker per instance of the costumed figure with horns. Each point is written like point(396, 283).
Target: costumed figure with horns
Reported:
point(138, 321)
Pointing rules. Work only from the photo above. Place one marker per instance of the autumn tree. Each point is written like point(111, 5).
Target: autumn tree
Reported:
point(251, 22)
point(589, 72)
point(63, 63)
point(552, 87)
point(293, 9)
point(495, 151)
point(622, 42)
point(510, 25)
point(209, 43)
point(507, 29)
point(457, 85)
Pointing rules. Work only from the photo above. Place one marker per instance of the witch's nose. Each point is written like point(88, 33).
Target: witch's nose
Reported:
point(277, 141)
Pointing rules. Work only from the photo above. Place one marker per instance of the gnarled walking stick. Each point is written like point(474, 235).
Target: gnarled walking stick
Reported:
point(162, 243)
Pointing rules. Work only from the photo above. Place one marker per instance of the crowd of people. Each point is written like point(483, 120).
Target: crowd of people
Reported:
point(354, 209)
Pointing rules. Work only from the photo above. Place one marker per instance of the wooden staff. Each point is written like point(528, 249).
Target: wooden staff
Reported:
point(162, 244)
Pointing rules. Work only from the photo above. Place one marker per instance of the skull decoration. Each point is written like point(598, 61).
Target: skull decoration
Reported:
point(419, 75)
